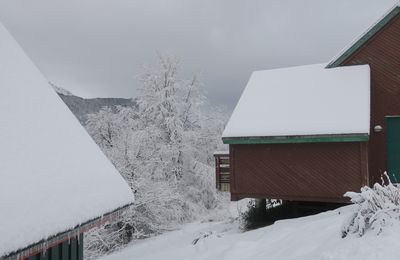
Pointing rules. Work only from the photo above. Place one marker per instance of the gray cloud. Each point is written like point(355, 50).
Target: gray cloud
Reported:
point(97, 47)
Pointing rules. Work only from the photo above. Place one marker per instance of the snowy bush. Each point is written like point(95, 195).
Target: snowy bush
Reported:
point(377, 207)
point(163, 147)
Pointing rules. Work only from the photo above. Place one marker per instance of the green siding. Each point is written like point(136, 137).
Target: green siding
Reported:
point(376, 28)
point(73, 249)
point(44, 256)
point(64, 250)
point(296, 139)
point(55, 252)
point(80, 247)
point(393, 147)
point(67, 250)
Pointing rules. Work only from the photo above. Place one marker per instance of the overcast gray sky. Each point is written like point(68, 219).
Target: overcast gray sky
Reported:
point(96, 48)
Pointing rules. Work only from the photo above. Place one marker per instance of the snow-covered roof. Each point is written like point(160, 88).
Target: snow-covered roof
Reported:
point(52, 175)
point(303, 100)
point(361, 39)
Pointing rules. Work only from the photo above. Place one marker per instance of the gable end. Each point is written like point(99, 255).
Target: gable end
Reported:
point(364, 38)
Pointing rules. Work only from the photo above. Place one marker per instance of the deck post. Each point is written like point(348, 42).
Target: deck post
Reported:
point(218, 170)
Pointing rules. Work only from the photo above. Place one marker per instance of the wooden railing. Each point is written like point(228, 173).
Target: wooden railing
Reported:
point(222, 171)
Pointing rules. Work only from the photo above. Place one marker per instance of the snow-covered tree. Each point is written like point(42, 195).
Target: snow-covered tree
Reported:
point(163, 148)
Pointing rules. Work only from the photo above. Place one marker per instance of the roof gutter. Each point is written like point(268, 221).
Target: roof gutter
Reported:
point(296, 139)
point(63, 236)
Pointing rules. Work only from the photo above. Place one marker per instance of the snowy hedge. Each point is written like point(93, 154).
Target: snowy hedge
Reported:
point(377, 207)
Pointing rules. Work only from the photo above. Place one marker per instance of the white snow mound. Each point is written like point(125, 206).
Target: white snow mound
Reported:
point(312, 238)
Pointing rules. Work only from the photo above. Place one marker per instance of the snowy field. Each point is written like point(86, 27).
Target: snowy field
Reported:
point(313, 237)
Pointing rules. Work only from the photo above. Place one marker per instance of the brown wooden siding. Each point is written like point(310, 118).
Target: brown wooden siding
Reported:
point(313, 171)
point(325, 171)
point(382, 53)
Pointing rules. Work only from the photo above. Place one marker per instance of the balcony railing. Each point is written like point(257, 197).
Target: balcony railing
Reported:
point(222, 171)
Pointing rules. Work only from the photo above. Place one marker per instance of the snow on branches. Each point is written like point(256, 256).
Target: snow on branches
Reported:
point(163, 147)
point(377, 207)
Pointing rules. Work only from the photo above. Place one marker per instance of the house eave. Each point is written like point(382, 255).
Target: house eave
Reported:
point(45, 244)
point(296, 139)
point(364, 38)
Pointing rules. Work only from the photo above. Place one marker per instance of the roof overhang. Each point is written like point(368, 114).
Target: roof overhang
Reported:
point(52, 241)
point(296, 139)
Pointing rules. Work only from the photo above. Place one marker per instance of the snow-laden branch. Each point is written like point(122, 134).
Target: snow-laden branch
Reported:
point(163, 147)
point(377, 207)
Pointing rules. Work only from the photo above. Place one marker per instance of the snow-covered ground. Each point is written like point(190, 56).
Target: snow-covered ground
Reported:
point(313, 237)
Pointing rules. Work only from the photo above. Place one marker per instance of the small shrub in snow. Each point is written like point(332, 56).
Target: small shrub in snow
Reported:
point(202, 236)
point(377, 207)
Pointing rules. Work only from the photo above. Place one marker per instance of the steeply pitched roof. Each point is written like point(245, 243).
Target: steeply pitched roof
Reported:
point(53, 177)
point(302, 101)
point(364, 37)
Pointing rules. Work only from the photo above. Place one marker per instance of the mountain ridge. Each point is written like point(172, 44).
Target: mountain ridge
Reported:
point(82, 107)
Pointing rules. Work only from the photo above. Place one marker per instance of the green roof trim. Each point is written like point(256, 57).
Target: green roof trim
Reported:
point(296, 139)
point(360, 42)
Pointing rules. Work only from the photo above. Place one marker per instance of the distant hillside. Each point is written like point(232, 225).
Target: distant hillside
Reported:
point(82, 107)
